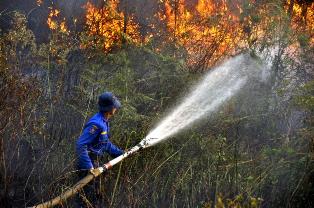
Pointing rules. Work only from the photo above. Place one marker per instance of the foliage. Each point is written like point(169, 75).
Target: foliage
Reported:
point(307, 99)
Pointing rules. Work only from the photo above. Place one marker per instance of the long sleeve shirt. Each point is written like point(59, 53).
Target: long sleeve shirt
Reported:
point(95, 140)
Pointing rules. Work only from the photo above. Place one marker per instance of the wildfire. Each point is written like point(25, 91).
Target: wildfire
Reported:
point(54, 23)
point(205, 7)
point(213, 29)
point(300, 15)
point(178, 19)
point(205, 32)
point(110, 24)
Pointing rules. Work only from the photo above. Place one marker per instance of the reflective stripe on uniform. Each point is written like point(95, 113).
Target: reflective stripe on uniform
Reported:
point(104, 133)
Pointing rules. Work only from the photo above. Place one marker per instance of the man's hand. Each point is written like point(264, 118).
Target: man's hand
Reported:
point(95, 172)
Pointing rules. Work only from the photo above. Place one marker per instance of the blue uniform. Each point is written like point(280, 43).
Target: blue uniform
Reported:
point(95, 141)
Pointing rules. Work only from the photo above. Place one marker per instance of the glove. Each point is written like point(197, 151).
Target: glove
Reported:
point(94, 172)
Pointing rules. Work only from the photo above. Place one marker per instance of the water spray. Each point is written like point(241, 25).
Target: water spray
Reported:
point(217, 87)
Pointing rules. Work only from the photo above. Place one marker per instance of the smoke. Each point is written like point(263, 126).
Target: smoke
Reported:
point(218, 86)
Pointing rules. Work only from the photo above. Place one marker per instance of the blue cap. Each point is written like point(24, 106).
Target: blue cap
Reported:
point(107, 101)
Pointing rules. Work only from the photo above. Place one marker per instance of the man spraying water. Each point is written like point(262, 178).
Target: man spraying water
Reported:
point(94, 142)
point(216, 88)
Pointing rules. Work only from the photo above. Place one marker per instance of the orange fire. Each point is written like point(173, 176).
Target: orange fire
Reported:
point(178, 19)
point(306, 18)
point(206, 32)
point(110, 24)
point(214, 29)
point(54, 22)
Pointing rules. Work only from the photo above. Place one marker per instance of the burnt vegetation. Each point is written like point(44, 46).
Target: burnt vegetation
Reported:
point(57, 56)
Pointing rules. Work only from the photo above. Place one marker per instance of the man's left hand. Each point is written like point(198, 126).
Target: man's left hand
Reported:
point(95, 172)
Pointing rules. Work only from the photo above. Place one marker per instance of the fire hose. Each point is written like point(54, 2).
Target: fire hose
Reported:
point(75, 188)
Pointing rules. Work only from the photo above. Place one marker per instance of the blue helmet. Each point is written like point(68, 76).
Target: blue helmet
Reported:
point(107, 101)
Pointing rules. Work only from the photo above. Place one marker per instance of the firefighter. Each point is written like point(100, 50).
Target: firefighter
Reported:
point(95, 141)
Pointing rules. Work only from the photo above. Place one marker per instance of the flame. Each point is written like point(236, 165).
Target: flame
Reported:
point(63, 27)
point(54, 22)
point(207, 30)
point(196, 30)
point(205, 7)
point(300, 19)
point(108, 23)
point(178, 19)
point(213, 29)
